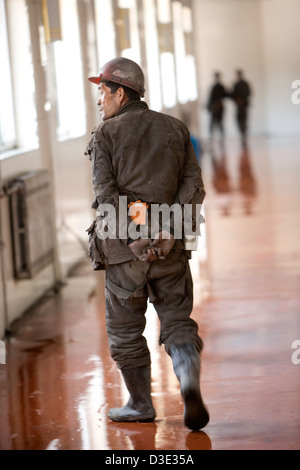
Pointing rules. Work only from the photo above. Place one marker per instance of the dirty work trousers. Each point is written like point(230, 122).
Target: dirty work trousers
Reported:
point(168, 285)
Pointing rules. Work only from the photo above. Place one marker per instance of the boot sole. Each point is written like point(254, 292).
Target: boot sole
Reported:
point(132, 420)
point(196, 415)
point(129, 418)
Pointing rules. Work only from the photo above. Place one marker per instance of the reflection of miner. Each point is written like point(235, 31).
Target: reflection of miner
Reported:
point(148, 157)
point(221, 180)
point(247, 183)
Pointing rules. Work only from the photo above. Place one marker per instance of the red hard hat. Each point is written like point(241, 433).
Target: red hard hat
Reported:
point(123, 71)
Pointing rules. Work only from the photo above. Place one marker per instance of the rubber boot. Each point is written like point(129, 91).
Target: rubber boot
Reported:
point(186, 364)
point(139, 406)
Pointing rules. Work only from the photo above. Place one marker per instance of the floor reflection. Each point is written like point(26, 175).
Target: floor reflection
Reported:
point(198, 440)
point(247, 181)
point(148, 436)
point(60, 381)
point(229, 181)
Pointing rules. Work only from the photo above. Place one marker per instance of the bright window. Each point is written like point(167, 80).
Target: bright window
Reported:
point(190, 61)
point(7, 124)
point(152, 51)
point(18, 103)
point(179, 46)
point(128, 29)
point(117, 33)
point(167, 64)
point(69, 79)
point(185, 61)
point(168, 79)
point(106, 38)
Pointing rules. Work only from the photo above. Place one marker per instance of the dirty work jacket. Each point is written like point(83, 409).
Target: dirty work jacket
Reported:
point(147, 156)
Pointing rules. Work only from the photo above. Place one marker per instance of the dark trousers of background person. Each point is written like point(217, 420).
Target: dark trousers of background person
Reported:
point(216, 122)
point(241, 117)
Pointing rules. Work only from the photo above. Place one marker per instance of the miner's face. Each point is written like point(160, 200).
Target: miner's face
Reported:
point(109, 104)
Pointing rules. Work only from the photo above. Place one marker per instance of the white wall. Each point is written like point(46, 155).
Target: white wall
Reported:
point(281, 48)
point(73, 199)
point(262, 37)
point(229, 37)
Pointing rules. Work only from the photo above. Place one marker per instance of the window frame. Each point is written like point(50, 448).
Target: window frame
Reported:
point(7, 145)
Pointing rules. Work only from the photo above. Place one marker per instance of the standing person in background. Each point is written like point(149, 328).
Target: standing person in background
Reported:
point(149, 158)
point(241, 93)
point(215, 106)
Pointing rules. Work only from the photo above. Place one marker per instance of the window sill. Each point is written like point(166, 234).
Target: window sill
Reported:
point(68, 137)
point(17, 152)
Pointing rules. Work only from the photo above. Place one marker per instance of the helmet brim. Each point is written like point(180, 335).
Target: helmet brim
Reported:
point(94, 80)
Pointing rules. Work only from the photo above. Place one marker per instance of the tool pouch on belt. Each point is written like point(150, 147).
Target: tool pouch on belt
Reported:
point(95, 251)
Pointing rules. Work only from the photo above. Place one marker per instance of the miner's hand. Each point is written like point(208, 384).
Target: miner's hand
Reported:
point(142, 249)
point(163, 244)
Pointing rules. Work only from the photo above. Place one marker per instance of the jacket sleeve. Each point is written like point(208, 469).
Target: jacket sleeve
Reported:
point(191, 188)
point(104, 183)
point(191, 191)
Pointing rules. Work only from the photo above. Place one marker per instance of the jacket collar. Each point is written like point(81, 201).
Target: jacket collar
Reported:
point(130, 105)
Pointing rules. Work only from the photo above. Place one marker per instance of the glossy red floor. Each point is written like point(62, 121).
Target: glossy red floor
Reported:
point(59, 381)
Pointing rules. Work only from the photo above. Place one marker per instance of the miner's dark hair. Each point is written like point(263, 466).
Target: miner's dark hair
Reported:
point(132, 94)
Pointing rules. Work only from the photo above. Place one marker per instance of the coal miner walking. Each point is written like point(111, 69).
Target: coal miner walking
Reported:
point(147, 158)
